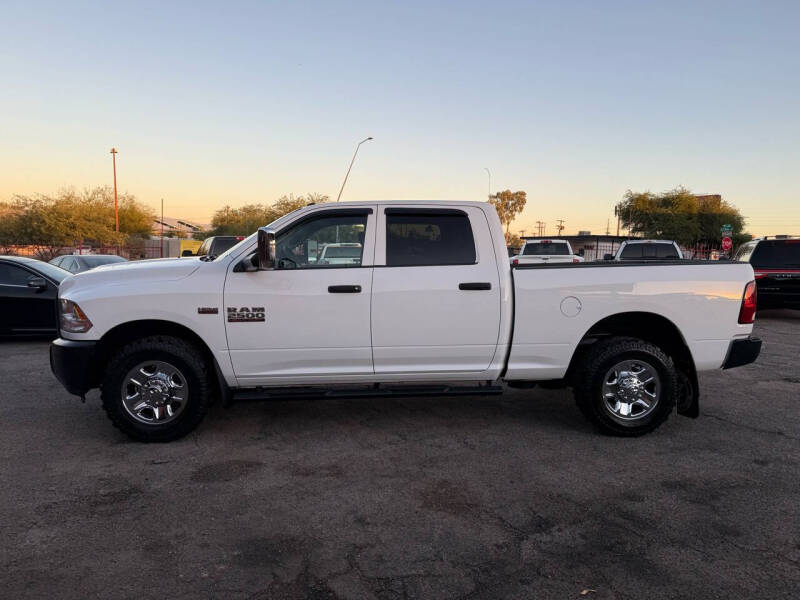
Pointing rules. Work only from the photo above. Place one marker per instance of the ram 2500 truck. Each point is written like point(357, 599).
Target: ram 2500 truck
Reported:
point(431, 306)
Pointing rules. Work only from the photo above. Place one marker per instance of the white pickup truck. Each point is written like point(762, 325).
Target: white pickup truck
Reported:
point(432, 306)
point(545, 251)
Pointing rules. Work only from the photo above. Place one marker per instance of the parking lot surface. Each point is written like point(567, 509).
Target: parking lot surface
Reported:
point(505, 497)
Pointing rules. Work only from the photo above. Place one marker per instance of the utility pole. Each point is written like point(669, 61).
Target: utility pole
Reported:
point(116, 204)
point(162, 228)
point(560, 226)
point(522, 233)
point(608, 222)
point(540, 226)
point(351, 166)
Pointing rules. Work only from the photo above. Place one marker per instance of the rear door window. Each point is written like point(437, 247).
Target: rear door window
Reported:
point(428, 237)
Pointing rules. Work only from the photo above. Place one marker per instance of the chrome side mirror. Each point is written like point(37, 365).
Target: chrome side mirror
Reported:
point(266, 249)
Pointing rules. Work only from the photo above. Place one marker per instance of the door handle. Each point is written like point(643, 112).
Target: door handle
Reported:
point(475, 286)
point(344, 289)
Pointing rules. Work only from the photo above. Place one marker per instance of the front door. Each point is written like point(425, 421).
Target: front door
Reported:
point(309, 319)
point(435, 298)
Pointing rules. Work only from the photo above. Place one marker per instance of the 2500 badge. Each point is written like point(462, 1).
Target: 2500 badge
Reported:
point(246, 314)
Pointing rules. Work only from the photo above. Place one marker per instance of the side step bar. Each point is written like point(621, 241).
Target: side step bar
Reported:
point(376, 391)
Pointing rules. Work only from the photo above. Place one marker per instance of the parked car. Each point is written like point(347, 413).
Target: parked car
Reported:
point(545, 251)
point(78, 263)
point(345, 253)
point(432, 308)
point(29, 296)
point(647, 250)
point(216, 245)
point(776, 262)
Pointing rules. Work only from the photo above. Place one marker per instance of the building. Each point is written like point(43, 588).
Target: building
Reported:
point(177, 227)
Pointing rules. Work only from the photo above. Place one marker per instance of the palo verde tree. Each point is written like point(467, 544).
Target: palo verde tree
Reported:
point(49, 223)
point(508, 205)
point(246, 219)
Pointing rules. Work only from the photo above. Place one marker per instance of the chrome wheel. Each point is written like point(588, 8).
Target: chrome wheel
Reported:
point(631, 390)
point(154, 392)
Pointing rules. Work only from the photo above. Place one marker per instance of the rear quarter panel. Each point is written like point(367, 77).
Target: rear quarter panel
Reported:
point(556, 307)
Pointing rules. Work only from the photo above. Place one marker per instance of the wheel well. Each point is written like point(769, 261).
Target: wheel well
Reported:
point(126, 332)
point(649, 327)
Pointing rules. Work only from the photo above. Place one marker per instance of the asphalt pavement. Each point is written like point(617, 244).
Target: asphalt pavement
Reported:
point(513, 496)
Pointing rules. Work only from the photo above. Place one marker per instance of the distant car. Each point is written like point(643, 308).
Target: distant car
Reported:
point(29, 296)
point(345, 253)
point(216, 245)
point(776, 262)
point(545, 251)
point(647, 250)
point(79, 263)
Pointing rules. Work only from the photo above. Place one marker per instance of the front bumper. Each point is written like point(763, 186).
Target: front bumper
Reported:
point(742, 352)
point(72, 362)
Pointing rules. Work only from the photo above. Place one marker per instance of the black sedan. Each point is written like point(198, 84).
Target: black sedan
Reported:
point(29, 296)
point(84, 262)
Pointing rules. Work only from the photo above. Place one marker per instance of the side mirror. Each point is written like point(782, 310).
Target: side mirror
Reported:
point(608, 257)
point(37, 283)
point(266, 249)
point(187, 253)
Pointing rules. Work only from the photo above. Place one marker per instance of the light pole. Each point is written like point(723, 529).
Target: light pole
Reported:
point(116, 204)
point(488, 172)
point(351, 166)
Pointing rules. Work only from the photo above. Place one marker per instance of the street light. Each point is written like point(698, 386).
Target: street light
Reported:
point(116, 204)
point(351, 166)
point(488, 172)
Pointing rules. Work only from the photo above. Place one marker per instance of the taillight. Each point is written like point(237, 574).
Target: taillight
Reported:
point(760, 275)
point(747, 314)
point(515, 262)
point(575, 261)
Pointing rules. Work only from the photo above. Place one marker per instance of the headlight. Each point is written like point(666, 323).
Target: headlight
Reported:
point(72, 318)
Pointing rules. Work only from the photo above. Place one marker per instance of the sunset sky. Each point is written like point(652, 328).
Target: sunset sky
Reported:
point(237, 102)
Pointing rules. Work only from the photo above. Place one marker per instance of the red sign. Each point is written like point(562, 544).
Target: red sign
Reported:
point(727, 243)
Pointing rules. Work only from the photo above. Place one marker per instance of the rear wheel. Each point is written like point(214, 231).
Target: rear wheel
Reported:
point(626, 387)
point(156, 389)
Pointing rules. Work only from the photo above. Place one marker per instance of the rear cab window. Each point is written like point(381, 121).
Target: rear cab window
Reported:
point(545, 248)
point(428, 237)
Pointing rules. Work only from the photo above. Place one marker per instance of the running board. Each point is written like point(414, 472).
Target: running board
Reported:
point(377, 391)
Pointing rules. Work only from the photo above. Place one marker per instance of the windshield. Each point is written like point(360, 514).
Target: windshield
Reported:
point(96, 261)
point(55, 273)
point(546, 248)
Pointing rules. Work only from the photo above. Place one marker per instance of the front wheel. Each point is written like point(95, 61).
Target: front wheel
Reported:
point(156, 389)
point(626, 386)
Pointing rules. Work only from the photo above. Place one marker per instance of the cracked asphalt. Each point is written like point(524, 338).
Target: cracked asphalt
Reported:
point(504, 497)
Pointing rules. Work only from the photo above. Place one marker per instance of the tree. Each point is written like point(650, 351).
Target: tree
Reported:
point(48, 223)
point(508, 205)
point(246, 219)
point(679, 215)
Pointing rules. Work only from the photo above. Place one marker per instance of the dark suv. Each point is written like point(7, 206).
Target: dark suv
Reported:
point(776, 262)
point(216, 245)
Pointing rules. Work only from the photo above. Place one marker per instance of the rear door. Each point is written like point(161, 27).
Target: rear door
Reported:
point(435, 291)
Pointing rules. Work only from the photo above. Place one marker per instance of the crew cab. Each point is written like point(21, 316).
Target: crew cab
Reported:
point(545, 251)
point(431, 306)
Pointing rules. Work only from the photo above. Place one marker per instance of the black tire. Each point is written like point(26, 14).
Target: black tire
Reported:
point(589, 380)
point(178, 352)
